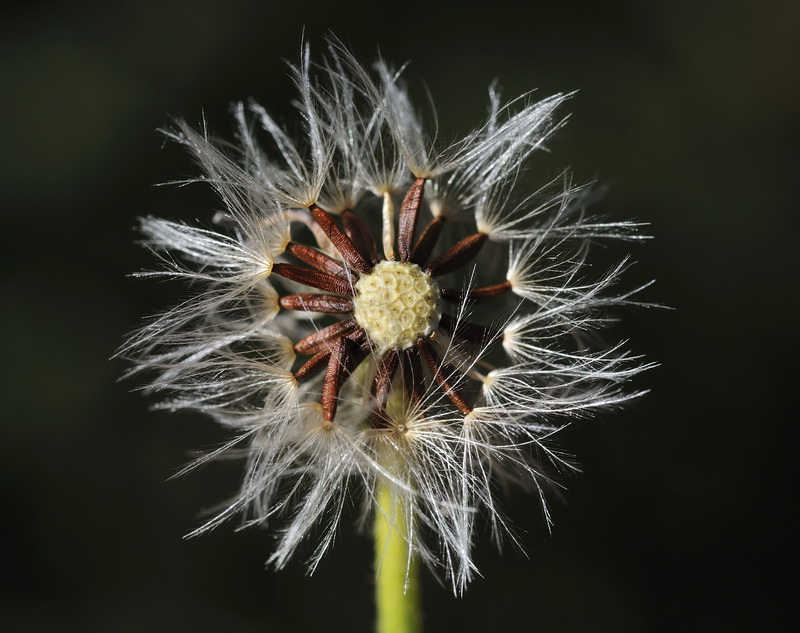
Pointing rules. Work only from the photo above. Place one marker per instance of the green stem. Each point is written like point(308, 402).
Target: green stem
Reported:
point(397, 596)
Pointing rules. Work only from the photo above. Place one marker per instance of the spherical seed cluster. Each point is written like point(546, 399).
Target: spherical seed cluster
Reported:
point(396, 304)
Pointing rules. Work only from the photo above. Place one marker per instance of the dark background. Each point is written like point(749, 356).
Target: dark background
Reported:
point(690, 110)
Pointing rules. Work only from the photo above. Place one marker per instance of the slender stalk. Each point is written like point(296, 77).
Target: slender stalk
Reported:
point(387, 234)
point(397, 596)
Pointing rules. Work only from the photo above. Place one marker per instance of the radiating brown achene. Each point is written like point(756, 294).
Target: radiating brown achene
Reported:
point(343, 345)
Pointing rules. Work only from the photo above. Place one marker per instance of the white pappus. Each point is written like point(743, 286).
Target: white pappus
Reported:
point(373, 305)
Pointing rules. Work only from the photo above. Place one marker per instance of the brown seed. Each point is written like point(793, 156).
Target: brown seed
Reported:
point(381, 386)
point(445, 382)
point(362, 238)
point(319, 260)
point(340, 240)
point(311, 302)
point(475, 295)
point(346, 355)
point(334, 377)
point(427, 241)
point(457, 255)
point(313, 364)
point(314, 278)
point(407, 222)
point(323, 339)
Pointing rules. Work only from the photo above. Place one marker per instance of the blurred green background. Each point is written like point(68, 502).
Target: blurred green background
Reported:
point(680, 521)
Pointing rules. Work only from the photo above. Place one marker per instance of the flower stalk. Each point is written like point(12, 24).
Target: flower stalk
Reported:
point(397, 593)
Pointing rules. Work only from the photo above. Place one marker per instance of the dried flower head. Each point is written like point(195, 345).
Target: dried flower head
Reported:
point(373, 306)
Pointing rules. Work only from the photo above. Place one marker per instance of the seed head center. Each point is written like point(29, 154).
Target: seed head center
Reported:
point(397, 303)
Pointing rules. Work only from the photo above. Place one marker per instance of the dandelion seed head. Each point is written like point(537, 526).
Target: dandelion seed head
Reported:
point(349, 328)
